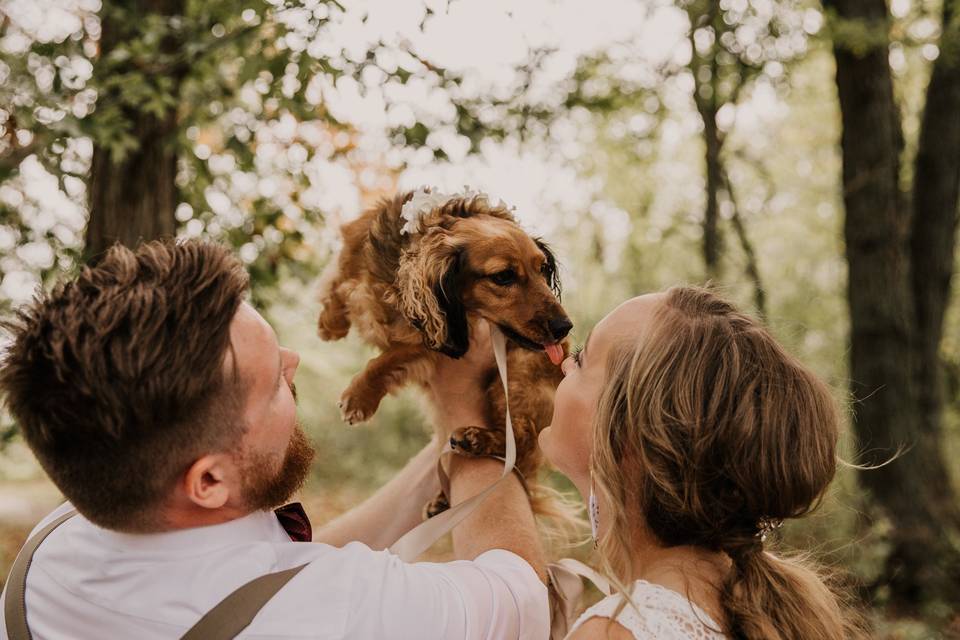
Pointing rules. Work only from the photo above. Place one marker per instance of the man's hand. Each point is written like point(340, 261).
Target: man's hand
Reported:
point(457, 387)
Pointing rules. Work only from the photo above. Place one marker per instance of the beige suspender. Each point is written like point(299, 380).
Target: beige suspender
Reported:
point(225, 621)
point(15, 604)
point(237, 610)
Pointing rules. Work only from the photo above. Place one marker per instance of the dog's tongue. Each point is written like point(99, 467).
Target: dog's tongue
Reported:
point(555, 352)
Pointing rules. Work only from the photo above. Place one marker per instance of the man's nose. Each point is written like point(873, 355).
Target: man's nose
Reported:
point(559, 327)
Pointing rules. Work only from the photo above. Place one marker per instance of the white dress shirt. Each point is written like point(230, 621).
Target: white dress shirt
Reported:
point(88, 582)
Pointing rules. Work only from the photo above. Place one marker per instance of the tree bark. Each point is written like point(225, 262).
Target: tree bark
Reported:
point(706, 100)
point(752, 268)
point(884, 354)
point(936, 189)
point(711, 218)
point(133, 199)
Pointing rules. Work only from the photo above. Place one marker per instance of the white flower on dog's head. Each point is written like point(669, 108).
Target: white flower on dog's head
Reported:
point(424, 201)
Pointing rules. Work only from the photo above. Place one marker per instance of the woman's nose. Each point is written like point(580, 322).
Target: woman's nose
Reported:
point(293, 360)
point(296, 360)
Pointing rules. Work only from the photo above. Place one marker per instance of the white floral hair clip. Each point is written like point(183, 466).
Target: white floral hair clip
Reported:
point(766, 526)
point(426, 199)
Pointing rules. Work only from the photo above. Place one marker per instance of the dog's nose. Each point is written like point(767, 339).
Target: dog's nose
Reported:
point(559, 327)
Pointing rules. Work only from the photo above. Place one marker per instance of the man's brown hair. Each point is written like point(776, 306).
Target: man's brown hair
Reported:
point(117, 379)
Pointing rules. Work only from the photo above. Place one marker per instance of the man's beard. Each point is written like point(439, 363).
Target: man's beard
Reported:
point(264, 489)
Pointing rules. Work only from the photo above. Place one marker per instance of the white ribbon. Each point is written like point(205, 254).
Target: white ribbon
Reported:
point(565, 574)
point(420, 538)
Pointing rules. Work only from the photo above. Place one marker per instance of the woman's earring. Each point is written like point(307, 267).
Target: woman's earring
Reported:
point(594, 512)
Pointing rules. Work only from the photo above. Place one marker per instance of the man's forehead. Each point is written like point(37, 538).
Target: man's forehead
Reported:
point(252, 340)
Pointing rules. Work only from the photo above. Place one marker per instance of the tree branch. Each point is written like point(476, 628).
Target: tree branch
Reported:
point(752, 268)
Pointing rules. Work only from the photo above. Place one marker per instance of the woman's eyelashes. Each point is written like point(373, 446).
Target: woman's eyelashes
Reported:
point(576, 354)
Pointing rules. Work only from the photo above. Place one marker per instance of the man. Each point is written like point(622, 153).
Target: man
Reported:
point(162, 406)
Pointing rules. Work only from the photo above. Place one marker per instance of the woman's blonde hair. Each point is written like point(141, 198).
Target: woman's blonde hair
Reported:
point(706, 430)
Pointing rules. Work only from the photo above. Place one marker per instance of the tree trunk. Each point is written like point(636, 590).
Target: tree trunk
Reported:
point(711, 218)
point(936, 188)
point(752, 267)
point(705, 15)
point(884, 353)
point(133, 198)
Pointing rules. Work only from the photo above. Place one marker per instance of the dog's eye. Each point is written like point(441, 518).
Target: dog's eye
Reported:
point(505, 277)
point(545, 269)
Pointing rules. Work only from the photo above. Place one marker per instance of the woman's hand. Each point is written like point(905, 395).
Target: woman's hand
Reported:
point(458, 386)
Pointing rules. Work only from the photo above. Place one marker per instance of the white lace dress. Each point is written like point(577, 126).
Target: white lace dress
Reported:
point(660, 614)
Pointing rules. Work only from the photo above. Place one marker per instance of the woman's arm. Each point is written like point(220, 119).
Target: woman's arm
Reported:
point(390, 512)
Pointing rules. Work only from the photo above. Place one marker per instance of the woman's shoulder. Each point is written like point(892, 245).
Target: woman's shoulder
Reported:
point(656, 612)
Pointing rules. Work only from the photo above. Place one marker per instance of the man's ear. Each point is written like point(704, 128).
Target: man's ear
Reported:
point(205, 482)
point(428, 292)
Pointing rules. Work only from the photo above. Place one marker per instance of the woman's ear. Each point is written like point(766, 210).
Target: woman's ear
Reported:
point(428, 287)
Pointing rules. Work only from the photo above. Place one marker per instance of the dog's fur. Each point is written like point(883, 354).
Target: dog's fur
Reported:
point(415, 297)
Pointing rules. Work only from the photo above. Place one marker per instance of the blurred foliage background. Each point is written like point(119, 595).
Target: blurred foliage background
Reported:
point(797, 155)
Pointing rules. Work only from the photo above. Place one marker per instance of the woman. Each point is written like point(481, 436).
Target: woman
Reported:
point(695, 433)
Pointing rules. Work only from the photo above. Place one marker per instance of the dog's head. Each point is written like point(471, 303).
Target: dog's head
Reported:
point(473, 259)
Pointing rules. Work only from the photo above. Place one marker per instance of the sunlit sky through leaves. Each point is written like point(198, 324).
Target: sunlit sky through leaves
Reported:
point(484, 40)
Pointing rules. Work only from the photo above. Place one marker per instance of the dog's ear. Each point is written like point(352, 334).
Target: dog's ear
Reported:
point(448, 294)
point(428, 286)
point(550, 267)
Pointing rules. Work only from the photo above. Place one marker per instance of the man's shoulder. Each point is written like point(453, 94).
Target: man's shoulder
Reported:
point(63, 509)
point(352, 591)
point(161, 584)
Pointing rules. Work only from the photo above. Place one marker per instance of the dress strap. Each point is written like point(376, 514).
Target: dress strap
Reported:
point(655, 612)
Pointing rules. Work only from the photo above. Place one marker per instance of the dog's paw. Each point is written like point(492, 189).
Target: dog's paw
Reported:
point(333, 326)
point(356, 407)
point(477, 441)
point(436, 506)
point(328, 334)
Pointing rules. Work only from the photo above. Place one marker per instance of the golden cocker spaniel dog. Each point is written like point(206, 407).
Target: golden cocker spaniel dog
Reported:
point(413, 289)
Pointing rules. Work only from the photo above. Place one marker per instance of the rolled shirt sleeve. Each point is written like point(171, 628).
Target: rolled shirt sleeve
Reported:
point(498, 596)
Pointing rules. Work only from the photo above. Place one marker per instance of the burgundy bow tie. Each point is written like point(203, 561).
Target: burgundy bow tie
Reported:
point(294, 521)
